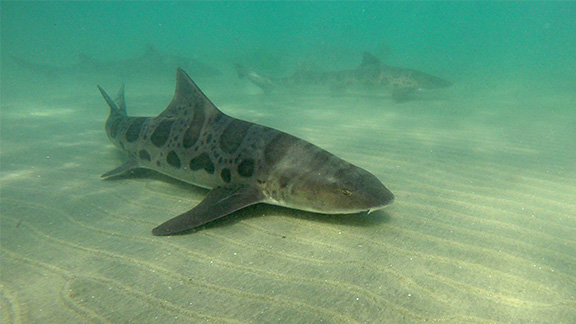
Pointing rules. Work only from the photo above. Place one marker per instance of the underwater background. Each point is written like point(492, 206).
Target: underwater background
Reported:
point(483, 228)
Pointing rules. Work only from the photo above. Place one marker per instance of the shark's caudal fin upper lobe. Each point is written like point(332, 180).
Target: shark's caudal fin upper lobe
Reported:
point(117, 105)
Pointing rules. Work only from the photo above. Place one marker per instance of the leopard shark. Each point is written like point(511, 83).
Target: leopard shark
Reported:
point(403, 83)
point(152, 63)
point(242, 163)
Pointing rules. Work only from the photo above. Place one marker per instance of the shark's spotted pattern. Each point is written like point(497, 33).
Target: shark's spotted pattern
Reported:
point(144, 155)
point(202, 161)
point(242, 162)
point(161, 132)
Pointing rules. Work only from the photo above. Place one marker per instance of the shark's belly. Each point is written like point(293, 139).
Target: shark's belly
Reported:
point(198, 178)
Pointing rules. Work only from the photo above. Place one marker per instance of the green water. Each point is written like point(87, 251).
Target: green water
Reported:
point(484, 172)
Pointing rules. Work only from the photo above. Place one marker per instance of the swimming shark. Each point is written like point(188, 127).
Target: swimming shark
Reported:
point(242, 163)
point(403, 83)
point(151, 63)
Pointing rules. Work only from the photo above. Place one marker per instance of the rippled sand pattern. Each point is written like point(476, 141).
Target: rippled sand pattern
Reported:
point(482, 229)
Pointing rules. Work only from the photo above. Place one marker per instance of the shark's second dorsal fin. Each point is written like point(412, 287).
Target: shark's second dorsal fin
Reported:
point(188, 97)
point(369, 59)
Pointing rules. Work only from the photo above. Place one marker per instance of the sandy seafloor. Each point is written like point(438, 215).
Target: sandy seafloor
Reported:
point(482, 229)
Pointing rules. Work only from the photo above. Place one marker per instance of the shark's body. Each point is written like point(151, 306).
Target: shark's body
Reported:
point(241, 162)
point(402, 83)
point(151, 63)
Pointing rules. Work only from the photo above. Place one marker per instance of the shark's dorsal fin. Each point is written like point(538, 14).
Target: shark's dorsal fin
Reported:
point(369, 59)
point(188, 97)
point(151, 51)
point(86, 60)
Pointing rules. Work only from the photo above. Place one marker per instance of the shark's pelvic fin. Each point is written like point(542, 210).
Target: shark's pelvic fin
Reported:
point(218, 203)
point(129, 165)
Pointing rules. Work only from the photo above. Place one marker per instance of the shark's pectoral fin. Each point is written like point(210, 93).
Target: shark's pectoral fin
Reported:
point(401, 93)
point(129, 165)
point(218, 203)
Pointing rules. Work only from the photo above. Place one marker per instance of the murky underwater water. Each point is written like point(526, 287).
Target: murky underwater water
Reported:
point(482, 228)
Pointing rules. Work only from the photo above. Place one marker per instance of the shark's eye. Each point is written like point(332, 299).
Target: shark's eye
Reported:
point(346, 192)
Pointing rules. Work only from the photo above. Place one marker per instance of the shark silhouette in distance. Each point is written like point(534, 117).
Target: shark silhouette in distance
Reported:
point(151, 63)
point(242, 163)
point(402, 83)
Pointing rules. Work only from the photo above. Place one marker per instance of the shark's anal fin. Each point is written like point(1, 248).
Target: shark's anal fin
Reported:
point(218, 203)
point(129, 165)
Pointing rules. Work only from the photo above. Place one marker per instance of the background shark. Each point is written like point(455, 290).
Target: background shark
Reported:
point(241, 162)
point(151, 63)
point(403, 83)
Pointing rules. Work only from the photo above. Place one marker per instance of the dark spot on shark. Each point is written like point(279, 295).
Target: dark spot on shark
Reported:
point(158, 163)
point(233, 136)
point(276, 149)
point(144, 155)
point(217, 118)
point(246, 168)
point(113, 126)
point(162, 132)
point(283, 182)
point(202, 161)
point(173, 159)
point(194, 129)
point(133, 131)
point(226, 175)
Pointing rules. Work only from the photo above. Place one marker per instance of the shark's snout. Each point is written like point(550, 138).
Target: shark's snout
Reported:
point(372, 194)
point(346, 190)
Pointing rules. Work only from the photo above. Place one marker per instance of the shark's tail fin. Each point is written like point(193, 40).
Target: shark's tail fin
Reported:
point(242, 71)
point(117, 105)
point(264, 83)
